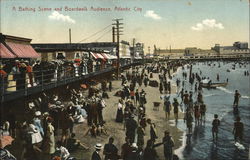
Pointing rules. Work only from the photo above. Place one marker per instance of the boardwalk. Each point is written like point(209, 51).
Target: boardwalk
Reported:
point(29, 91)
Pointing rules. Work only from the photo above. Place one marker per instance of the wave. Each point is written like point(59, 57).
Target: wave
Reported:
point(209, 95)
point(245, 97)
point(225, 90)
point(231, 92)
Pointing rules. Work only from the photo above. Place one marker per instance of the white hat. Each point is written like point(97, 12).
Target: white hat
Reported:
point(134, 145)
point(98, 146)
point(58, 102)
point(37, 113)
point(46, 114)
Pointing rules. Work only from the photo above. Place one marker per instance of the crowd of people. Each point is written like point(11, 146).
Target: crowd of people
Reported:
point(52, 115)
point(131, 111)
point(48, 116)
point(20, 74)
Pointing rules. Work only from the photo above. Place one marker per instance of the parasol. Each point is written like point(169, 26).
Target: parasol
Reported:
point(5, 141)
point(84, 86)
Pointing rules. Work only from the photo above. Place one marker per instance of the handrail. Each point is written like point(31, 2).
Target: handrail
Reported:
point(24, 82)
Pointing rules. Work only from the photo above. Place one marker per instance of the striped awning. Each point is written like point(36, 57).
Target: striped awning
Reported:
point(94, 55)
point(106, 56)
point(5, 53)
point(97, 55)
point(23, 50)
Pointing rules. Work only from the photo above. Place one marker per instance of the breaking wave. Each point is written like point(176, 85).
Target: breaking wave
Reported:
point(231, 92)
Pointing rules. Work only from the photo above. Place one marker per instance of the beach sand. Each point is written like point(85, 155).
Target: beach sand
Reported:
point(117, 131)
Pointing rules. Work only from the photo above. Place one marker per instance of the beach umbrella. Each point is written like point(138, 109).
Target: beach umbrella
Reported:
point(84, 86)
point(5, 141)
point(77, 60)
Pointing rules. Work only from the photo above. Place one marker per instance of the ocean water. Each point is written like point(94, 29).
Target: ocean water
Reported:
point(219, 101)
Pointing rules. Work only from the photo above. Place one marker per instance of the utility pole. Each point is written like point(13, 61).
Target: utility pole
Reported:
point(113, 34)
point(133, 57)
point(118, 33)
point(70, 36)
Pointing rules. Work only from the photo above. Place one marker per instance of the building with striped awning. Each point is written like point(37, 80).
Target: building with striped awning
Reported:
point(16, 47)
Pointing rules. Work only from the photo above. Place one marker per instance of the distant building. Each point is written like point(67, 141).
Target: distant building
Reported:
point(173, 53)
point(238, 49)
point(241, 45)
point(199, 53)
point(137, 51)
point(124, 50)
point(71, 51)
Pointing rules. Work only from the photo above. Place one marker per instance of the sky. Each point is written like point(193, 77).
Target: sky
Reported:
point(164, 23)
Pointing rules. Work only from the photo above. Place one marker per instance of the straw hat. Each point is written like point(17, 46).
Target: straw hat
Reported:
point(38, 113)
point(46, 114)
point(98, 146)
point(70, 104)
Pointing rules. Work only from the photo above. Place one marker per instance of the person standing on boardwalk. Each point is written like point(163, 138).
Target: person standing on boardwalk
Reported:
point(215, 127)
point(168, 143)
point(238, 130)
point(29, 71)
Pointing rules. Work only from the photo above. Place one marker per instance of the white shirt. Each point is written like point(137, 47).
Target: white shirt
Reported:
point(64, 152)
point(119, 106)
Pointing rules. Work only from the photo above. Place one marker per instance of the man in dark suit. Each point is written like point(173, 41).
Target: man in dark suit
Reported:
point(96, 153)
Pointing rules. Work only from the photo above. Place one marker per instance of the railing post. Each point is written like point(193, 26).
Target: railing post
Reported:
point(56, 78)
point(2, 89)
point(42, 80)
point(25, 86)
point(2, 92)
point(65, 75)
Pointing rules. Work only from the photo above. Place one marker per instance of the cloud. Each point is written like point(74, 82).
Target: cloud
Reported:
point(152, 14)
point(60, 17)
point(207, 24)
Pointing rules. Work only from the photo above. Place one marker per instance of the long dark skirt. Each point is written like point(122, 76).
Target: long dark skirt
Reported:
point(119, 116)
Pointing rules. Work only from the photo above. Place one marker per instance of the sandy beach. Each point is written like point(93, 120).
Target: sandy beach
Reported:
point(117, 131)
